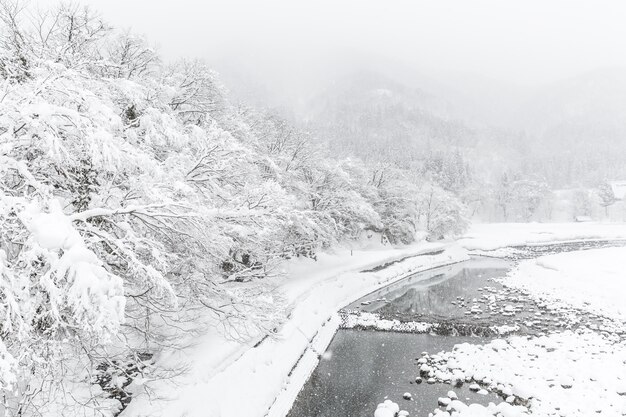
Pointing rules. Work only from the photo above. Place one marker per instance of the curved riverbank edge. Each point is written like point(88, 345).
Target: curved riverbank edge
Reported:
point(318, 343)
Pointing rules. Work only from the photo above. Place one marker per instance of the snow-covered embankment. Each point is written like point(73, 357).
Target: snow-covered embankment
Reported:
point(228, 378)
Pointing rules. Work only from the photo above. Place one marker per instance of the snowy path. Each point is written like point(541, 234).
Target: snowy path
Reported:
point(227, 378)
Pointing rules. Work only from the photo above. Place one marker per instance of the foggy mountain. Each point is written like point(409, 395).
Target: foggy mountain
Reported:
point(576, 128)
point(593, 101)
point(378, 118)
point(568, 133)
point(367, 109)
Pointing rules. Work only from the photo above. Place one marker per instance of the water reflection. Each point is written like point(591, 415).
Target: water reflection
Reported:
point(436, 293)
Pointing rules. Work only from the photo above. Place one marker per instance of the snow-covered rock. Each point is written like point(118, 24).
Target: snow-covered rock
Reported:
point(579, 374)
point(387, 409)
point(444, 401)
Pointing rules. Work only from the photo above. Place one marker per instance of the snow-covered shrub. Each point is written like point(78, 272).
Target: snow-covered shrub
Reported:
point(397, 203)
point(443, 214)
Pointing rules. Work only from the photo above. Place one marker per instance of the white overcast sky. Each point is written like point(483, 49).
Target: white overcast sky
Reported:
point(522, 41)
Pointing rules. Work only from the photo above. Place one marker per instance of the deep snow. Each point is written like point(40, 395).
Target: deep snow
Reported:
point(233, 378)
point(593, 280)
point(561, 374)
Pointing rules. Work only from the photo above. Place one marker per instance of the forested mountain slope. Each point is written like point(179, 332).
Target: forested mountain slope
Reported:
point(566, 135)
point(376, 117)
point(386, 122)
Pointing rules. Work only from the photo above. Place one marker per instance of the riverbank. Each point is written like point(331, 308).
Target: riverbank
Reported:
point(226, 377)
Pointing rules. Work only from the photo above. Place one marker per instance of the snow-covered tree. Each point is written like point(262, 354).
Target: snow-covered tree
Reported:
point(582, 204)
point(528, 195)
point(443, 214)
point(129, 56)
point(607, 197)
point(503, 195)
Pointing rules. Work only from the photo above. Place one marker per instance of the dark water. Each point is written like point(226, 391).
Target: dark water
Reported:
point(363, 368)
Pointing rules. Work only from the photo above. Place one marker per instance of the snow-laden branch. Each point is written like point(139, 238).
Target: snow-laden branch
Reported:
point(133, 209)
point(187, 212)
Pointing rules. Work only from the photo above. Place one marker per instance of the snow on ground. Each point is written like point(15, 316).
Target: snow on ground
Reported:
point(572, 374)
point(388, 409)
point(361, 319)
point(231, 378)
point(457, 408)
point(561, 374)
point(593, 280)
point(373, 321)
point(490, 236)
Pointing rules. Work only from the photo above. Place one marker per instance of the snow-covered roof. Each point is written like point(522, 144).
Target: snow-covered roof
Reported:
point(619, 189)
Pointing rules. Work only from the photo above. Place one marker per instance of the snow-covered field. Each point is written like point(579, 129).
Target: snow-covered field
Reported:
point(593, 280)
point(491, 236)
point(230, 378)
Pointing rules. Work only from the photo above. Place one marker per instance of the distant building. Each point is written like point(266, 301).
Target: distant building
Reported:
point(619, 189)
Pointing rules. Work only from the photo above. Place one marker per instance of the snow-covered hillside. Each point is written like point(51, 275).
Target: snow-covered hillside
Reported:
point(138, 203)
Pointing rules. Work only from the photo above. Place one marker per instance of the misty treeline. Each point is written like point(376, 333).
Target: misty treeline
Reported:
point(138, 203)
point(555, 166)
